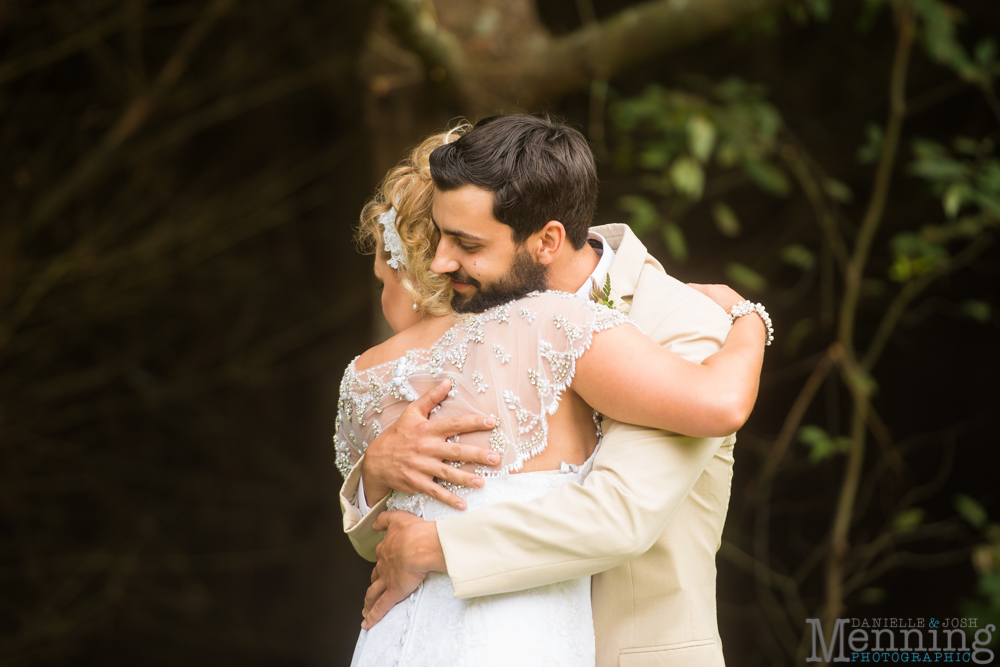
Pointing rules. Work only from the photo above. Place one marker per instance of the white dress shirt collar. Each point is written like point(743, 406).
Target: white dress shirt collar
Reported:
point(601, 270)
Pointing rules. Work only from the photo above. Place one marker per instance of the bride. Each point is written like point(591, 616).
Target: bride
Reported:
point(539, 369)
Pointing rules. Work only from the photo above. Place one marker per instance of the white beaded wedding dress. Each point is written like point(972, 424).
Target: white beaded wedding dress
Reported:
point(513, 362)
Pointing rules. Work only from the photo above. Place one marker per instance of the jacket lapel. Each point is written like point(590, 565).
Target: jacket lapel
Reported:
point(630, 256)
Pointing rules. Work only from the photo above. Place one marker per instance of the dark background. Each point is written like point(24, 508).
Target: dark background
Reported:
point(180, 292)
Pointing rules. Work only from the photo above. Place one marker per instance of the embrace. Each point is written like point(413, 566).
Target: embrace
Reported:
point(540, 459)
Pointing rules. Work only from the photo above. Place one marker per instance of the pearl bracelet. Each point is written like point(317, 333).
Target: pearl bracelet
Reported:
point(747, 307)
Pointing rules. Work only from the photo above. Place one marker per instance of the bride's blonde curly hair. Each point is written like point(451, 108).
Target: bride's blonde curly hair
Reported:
point(409, 185)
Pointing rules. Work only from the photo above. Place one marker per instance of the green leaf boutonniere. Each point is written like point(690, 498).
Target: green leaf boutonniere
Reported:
point(603, 295)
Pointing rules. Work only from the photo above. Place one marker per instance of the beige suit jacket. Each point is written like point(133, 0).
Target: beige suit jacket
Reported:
point(647, 522)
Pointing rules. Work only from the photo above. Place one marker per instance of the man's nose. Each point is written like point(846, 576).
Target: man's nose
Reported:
point(443, 262)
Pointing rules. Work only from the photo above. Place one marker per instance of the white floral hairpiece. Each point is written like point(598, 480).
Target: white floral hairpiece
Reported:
point(393, 244)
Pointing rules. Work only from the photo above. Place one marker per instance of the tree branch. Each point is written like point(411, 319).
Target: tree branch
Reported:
point(913, 289)
point(133, 117)
point(21, 65)
point(814, 193)
point(416, 25)
point(883, 178)
point(629, 38)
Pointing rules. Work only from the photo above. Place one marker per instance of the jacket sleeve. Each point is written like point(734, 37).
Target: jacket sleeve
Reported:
point(359, 528)
point(639, 480)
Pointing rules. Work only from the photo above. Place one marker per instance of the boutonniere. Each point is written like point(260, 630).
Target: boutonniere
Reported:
point(603, 295)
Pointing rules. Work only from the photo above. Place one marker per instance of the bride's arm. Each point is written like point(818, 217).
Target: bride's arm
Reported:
point(628, 377)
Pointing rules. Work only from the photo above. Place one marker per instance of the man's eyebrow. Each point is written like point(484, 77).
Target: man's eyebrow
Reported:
point(456, 232)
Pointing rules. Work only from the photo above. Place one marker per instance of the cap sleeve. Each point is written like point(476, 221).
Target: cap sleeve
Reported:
point(532, 348)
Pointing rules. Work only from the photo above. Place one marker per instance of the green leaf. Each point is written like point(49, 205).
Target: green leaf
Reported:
point(654, 157)
point(688, 177)
point(865, 383)
point(644, 216)
point(819, 9)
point(727, 155)
point(767, 176)
point(908, 520)
point(799, 332)
point(701, 137)
point(731, 89)
point(970, 510)
point(965, 145)
point(977, 310)
point(746, 277)
point(798, 255)
point(915, 255)
point(725, 220)
point(673, 238)
point(869, 151)
point(986, 52)
point(953, 198)
point(869, 13)
point(984, 558)
point(935, 164)
point(819, 442)
point(837, 191)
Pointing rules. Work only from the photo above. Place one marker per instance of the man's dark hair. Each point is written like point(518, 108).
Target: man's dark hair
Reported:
point(538, 170)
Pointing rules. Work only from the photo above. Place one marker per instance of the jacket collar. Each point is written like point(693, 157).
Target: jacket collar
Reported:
point(630, 256)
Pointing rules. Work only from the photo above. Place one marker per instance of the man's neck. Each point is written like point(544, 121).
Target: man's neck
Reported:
point(572, 269)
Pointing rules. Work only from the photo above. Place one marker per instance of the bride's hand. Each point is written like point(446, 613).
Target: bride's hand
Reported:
point(724, 295)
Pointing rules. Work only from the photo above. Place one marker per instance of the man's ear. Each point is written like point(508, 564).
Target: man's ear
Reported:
point(548, 242)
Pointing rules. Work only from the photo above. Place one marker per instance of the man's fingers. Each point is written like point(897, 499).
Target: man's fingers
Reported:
point(438, 492)
point(382, 605)
point(458, 476)
point(427, 402)
point(464, 424)
point(374, 592)
point(472, 454)
point(382, 522)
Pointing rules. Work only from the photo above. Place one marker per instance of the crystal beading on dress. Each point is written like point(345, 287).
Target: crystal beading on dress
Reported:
point(517, 368)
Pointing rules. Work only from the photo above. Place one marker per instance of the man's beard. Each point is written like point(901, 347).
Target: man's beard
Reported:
point(525, 275)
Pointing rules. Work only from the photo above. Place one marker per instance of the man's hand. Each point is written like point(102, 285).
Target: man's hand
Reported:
point(412, 452)
point(410, 550)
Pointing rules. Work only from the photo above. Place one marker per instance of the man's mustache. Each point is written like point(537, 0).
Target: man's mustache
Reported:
point(462, 277)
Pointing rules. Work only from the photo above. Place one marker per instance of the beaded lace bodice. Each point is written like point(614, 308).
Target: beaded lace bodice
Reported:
point(513, 362)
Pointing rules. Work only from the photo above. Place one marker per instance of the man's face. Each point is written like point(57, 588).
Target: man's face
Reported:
point(478, 252)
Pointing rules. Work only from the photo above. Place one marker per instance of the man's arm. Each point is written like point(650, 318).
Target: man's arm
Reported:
point(407, 457)
point(358, 520)
point(640, 477)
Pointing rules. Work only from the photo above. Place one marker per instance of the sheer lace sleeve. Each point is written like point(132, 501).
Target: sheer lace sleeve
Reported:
point(529, 361)
point(368, 399)
point(513, 362)
point(345, 440)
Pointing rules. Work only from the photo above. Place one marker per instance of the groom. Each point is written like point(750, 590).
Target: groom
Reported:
point(514, 199)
